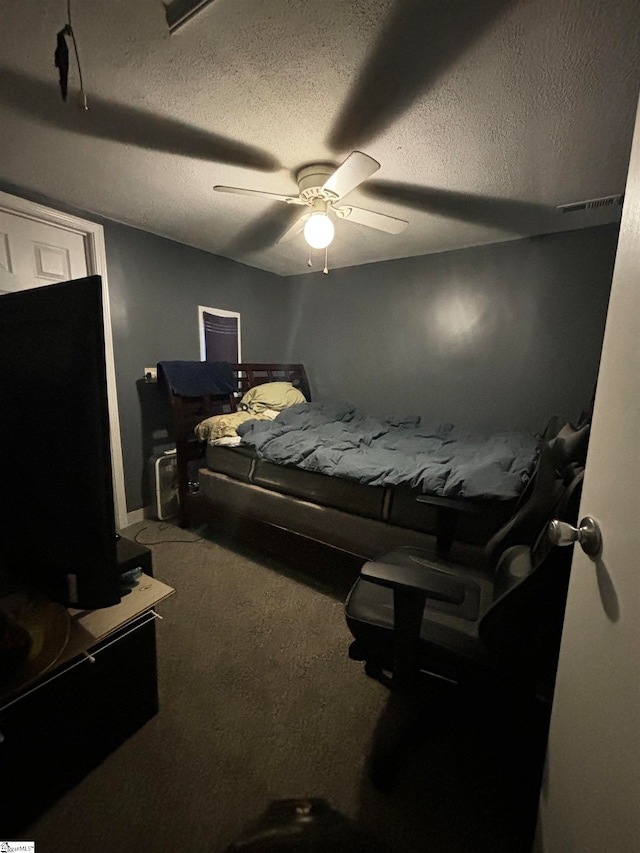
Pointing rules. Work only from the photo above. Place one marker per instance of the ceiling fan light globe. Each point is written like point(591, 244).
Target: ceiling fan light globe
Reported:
point(319, 231)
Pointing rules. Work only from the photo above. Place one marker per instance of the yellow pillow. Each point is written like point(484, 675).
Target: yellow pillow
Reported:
point(271, 395)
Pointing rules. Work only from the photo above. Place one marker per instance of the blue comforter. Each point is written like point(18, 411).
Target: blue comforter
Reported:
point(439, 459)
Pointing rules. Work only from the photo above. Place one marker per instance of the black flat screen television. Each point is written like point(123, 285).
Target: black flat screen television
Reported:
point(57, 523)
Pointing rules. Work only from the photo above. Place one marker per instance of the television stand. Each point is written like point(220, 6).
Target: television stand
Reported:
point(99, 692)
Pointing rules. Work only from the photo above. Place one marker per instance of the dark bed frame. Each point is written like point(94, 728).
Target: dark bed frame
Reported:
point(347, 532)
point(187, 412)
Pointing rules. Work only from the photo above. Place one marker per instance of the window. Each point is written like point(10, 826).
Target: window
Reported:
point(219, 334)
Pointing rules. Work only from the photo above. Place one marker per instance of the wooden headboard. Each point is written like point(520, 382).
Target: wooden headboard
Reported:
point(250, 375)
point(187, 412)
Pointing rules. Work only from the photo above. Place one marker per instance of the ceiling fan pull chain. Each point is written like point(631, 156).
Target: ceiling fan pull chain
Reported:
point(326, 255)
point(68, 30)
point(61, 60)
point(309, 264)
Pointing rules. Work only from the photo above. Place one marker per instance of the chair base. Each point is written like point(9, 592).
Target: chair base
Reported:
point(516, 718)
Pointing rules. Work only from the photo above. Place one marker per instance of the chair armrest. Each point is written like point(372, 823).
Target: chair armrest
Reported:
point(412, 585)
point(430, 582)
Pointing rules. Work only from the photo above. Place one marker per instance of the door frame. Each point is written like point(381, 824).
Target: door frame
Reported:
point(96, 256)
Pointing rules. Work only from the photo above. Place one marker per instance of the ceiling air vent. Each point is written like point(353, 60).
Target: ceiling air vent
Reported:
point(591, 204)
point(178, 12)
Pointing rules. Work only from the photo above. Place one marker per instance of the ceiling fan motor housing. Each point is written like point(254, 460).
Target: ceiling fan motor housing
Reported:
point(311, 180)
point(320, 187)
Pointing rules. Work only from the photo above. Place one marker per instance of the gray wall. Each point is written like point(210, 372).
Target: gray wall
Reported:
point(155, 286)
point(503, 335)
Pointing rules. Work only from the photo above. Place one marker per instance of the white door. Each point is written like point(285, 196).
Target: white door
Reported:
point(34, 253)
point(40, 246)
point(590, 799)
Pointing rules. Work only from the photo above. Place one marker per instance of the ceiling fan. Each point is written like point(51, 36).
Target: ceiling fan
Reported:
point(321, 189)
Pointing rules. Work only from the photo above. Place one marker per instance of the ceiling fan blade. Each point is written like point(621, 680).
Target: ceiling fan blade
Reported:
point(262, 231)
point(355, 169)
point(260, 193)
point(419, 41)
point(381, 221)
point(118, 122)
point(294, 229)
point(508, 214)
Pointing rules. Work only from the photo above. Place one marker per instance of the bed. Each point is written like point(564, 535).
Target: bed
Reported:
point(317, 502)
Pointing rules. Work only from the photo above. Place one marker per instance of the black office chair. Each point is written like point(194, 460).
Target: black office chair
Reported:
point(537, 502)
point(495, 630)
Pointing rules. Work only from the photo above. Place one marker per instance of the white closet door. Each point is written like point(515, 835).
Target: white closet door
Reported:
point(33, 253)
point(38, 246)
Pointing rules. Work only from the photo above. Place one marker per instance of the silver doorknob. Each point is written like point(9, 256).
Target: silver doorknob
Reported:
point(588, 535)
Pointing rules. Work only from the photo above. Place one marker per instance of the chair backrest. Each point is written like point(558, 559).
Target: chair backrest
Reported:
point(540, 497)
point(530, 588)
point(570, 445)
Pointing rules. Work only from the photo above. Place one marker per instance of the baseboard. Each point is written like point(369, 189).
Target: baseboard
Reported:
point(140, 515)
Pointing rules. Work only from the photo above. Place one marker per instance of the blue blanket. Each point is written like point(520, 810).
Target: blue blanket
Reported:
point(439, 459)
point(197, 378)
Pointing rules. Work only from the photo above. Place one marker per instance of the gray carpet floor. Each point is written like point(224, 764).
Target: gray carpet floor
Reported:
point(260, 702)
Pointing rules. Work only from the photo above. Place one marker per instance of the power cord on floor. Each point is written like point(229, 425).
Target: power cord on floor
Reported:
point(162, 527)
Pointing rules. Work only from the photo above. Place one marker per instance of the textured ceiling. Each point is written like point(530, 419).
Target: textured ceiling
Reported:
point(484, 115)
